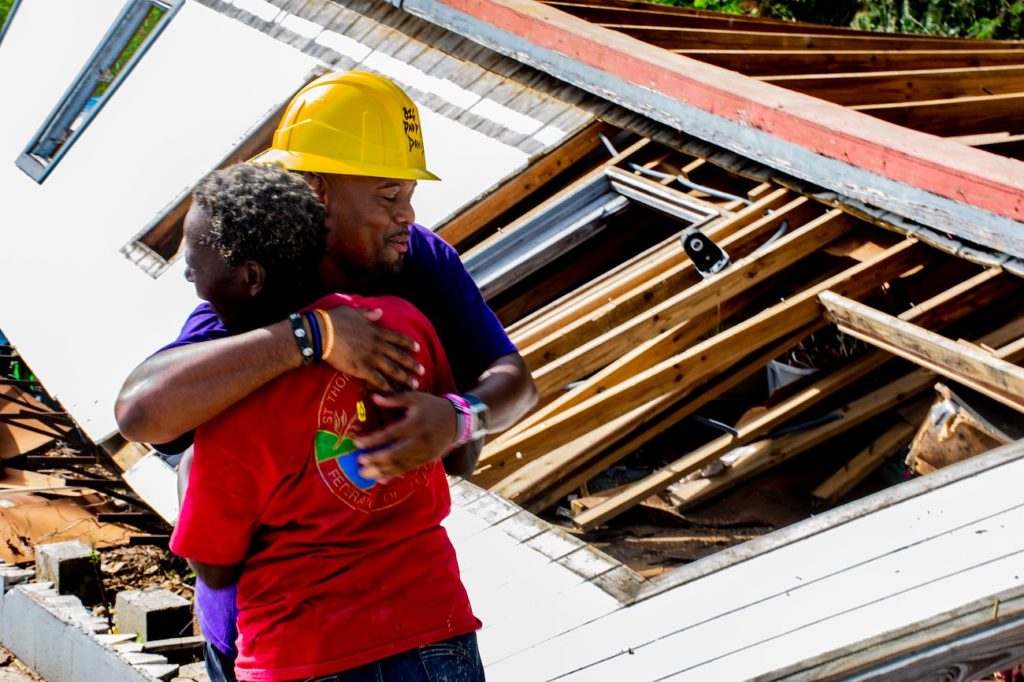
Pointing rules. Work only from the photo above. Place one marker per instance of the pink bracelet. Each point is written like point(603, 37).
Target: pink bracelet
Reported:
point(464, 418)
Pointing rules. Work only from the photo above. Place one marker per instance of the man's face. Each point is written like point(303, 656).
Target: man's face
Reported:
point(225, 287)
point(368, 223)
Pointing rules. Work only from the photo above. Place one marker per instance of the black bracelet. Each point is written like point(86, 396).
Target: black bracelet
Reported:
point(301, 339)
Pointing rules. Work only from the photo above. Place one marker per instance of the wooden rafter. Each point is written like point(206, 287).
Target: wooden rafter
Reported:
point(693, 367)
point(792, 62)
point(718, 39)
point(957, 116)
point(771, 452)
point(975, 292)
point(967, 364)
point(851, 89)
point(706, 296)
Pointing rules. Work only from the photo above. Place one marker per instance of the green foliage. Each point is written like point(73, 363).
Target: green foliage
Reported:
point(150, 21)
point(996, 19)
point(987, 19)
point(5, 9)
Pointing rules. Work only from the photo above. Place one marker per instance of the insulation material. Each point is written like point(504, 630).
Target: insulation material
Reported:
point(19, 432)
point(27, 519)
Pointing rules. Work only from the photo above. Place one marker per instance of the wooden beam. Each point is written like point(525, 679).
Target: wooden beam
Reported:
point(645, 267)
point(976, 292)
point(672, 38)
point(851, 89)
point(696, 365)
point(965, 364)
point(703, 297)
point(778, 450)
point(836, 486)
point(816, 62)
point(678, 278)
point(539, 485)
point(465, 225)
point(653, 15)
point(958, 116)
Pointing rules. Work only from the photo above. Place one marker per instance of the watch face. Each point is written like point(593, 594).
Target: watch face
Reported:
point(479, 408)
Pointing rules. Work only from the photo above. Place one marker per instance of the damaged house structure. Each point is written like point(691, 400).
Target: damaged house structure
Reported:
point(739, 256)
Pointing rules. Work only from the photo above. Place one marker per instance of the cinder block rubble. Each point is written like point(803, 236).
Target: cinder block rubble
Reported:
point(70, 566)
point(153, 614)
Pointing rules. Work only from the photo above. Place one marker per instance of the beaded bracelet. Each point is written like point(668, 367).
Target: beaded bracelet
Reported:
point(464, 416)
point(301, 339)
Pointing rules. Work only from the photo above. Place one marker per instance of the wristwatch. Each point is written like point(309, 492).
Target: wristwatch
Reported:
point(478, 408)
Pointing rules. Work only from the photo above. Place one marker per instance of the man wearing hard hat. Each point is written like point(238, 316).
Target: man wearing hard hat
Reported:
point(357, 138)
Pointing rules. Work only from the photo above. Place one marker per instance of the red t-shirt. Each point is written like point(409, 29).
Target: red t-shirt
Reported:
point(338, 571)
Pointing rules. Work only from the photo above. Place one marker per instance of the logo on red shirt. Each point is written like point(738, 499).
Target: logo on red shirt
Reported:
point(345, 412)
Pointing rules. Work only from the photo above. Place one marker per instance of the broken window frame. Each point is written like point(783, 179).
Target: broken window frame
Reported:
point(80, 103)
point(543, 235)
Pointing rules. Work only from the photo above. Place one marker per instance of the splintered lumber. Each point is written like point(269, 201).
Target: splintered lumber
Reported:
point(577, 330)
point(540, 484)
point(778, 450)
point(863, 463)
point(696, 365)
point(703, 297)
point(973, 293)
point(971, 366)
point(634, 273)
point(466, 225)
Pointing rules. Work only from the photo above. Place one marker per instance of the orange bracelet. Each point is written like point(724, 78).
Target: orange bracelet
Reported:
point(329, 333)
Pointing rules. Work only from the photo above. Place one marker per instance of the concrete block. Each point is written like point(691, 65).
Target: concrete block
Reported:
point(120, 638)
point(160, 671)
point(128, 647)
point(153, 614)
point(194, 672)
point(55, 648)
point(70, 566)
point(139, 658)
point(12, 575)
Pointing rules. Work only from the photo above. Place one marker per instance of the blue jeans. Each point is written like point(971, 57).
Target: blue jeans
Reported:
point(219, 666)
point(452, 660)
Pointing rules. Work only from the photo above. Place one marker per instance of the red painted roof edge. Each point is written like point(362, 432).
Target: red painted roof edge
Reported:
point(942, 167)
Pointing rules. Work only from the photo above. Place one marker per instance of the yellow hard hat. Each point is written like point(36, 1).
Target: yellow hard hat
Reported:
point(351, 123)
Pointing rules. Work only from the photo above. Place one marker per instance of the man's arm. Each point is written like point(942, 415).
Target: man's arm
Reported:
point(178, 389)
point(427, 430)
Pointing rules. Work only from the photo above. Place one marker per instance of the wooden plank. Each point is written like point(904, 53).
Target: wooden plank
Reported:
point(652, 15)
point(816, 62)
point(778, 450)
point(973, 293)
point(558, 473)
point(958, 116)
point(705, 296)
point(972, 367)
point(717, 39)
point(466, 224)
point(634, 273)
point(683, 275)
point(905, 86)
point(863, 463)
point(696, 365)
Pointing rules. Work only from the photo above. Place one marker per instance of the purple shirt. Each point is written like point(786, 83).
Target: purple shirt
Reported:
point(435, 281)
